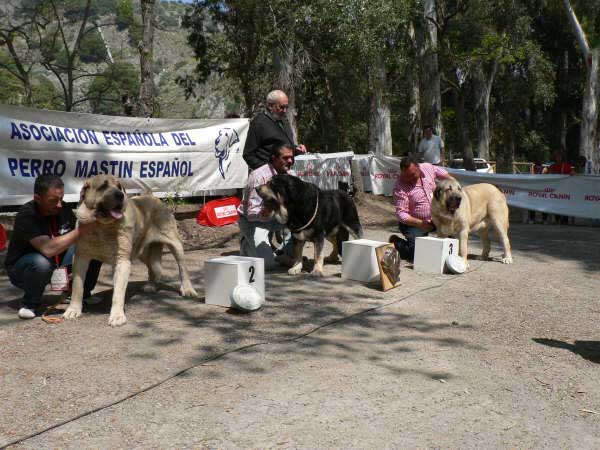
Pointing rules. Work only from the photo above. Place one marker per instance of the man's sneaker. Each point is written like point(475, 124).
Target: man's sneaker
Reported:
point(26, 313)
point(92, 299)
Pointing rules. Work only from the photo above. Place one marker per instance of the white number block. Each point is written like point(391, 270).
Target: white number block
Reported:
point(359, 261)
point(222, 275)
point(431, 253)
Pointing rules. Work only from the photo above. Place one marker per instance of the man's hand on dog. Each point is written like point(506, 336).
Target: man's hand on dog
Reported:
point(85, 228)
point(426, 226)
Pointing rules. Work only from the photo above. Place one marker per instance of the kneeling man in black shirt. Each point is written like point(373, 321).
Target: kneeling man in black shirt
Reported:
point(42, 241)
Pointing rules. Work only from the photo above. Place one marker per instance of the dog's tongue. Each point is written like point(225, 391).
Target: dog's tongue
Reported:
point(116, 213)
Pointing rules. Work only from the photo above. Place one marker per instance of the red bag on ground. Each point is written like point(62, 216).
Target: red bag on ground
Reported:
point(217, 213)
point(2, 238)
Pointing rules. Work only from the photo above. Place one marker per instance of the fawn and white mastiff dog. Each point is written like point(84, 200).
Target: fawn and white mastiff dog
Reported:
point(458, 211)
point(126, 229)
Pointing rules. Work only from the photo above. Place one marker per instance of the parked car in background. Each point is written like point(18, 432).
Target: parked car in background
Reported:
point(481, 165)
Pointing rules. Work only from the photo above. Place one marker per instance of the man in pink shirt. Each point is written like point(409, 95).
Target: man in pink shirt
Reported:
point(413, 192)
point(254, 222)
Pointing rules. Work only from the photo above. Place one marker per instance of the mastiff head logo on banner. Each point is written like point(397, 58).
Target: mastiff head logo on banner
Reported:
point(227, 141)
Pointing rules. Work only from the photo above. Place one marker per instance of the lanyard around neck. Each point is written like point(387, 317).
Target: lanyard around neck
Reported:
point(53, 234)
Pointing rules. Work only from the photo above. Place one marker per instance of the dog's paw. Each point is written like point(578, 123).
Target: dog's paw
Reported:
point(149, 288)
point(72, 313)
point(116, 319)
point(507, 260)
point(295, 270)
point(188, 291)
point(332, 259)
point(317, 272)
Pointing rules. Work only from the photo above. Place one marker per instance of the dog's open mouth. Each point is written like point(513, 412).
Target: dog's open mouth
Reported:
point(116, 213)
point(113, 213)
point(452, 204)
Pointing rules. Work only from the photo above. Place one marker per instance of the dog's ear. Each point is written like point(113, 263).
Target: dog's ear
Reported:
point(84, 189)
point(438, 192)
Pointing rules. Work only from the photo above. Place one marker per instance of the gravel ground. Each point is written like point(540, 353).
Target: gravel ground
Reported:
point(504, 356)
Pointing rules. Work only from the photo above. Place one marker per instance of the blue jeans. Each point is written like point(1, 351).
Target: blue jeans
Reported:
point(32, 273)
point(407, 248)
point(255, 240)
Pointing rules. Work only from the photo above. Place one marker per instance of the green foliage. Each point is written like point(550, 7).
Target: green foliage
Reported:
point(110, 92)
point(52, 50)
point(12, 90)
point(92, 48)
point(135, 33)
point(124, 16)
point(45, 95)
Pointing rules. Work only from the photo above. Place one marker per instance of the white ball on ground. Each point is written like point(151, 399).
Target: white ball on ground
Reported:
point(456, 264)
point(246, 297)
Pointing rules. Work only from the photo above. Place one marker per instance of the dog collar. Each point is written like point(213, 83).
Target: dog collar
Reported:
point(311, 219)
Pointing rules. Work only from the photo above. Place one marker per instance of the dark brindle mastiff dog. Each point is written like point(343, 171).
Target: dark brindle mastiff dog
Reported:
point(126, 229)
point(311, 214)
point(458, 211)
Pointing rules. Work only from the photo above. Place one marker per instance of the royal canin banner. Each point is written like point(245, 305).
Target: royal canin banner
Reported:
point(575, 196)
point(165, 156)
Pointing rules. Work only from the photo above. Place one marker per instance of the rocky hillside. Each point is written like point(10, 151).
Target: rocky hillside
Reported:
point(172, 58)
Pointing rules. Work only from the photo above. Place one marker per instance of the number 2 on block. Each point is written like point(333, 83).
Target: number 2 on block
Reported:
point(251, 270)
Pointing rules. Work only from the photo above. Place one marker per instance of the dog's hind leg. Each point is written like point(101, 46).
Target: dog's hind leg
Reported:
point(336, 241)
point(176, 247)
point(152, 258)
point(502, 231)
point(485, 242)
point(319, 256)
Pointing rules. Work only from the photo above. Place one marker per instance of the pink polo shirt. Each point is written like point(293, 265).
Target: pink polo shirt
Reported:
point(414, 200)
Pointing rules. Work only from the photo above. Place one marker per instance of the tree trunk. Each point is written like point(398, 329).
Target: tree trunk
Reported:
point(146, 49)
point(463, 130)
point(414, 111)
point(18, 70)
point(380, 130)
point(483, 86)
point(431, 94)
point(357, 182)
point(589, 114)
point(284, 63)
point(564, 82)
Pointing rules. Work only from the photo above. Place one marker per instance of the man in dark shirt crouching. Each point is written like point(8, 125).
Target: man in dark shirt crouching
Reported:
point(43, 240)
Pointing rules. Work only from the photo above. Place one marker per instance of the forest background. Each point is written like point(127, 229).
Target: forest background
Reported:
point(503, 80)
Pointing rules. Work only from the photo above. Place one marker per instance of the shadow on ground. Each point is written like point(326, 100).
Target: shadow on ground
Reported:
point(589, 350)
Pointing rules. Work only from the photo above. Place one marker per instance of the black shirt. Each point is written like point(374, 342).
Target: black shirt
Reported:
point(264, 135)
point(30, 224)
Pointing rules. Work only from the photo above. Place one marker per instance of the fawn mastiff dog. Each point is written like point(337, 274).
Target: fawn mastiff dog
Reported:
point(126, 229)
point(458, 211)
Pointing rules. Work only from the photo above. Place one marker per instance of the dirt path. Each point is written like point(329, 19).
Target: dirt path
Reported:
point(501, 357)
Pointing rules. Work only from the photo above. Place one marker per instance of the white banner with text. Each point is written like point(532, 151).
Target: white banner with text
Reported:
point(165, 156)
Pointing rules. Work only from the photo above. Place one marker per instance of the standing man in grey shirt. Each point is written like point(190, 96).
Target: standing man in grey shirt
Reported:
point(431, 147)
